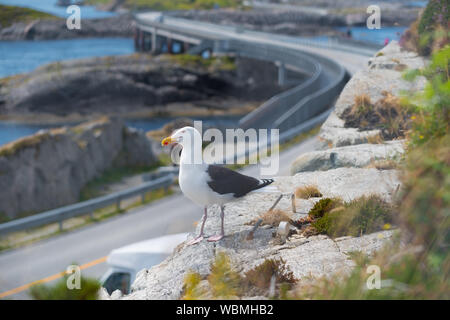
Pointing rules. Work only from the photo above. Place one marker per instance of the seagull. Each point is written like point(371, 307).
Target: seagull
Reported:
point(208, 184)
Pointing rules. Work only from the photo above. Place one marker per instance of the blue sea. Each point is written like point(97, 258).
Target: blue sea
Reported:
point(24, 56)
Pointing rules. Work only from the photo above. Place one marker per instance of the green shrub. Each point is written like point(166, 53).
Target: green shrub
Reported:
point(389, 114)
point(323, 206)
point(431, 113)
point(429, 32)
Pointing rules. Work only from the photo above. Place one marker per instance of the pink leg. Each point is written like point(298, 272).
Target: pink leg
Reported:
point(222, 233)
point(199, 238)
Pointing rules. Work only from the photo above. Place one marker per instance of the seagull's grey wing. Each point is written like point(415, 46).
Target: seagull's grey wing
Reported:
point(224, 180)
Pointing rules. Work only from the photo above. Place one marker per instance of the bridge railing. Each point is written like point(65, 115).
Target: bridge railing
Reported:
point(290, 108)
point(85, 207)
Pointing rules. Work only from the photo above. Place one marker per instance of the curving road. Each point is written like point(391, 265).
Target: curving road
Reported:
point(88, 246)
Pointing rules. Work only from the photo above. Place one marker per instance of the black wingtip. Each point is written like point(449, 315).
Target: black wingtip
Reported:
point(264, 183)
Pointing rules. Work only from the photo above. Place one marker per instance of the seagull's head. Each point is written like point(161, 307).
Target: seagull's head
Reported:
point(183, 136)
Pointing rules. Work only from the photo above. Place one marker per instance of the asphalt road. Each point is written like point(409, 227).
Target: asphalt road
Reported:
point(170, 215)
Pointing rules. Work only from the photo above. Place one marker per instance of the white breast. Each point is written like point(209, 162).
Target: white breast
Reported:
point(193, 180)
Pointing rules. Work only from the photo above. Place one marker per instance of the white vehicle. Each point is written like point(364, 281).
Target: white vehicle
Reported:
point(125, 262)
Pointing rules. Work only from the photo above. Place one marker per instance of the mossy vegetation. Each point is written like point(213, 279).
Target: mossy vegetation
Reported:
point(224, 63)
point(88, 290)
point(390, 115)
point(258, 280)
point(12, 14)
point(430, 117)
point(336, 218)
point(364, 215)
point(13, 148)
point(306, 192)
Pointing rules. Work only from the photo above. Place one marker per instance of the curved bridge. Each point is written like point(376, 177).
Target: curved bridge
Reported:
point(292, 111)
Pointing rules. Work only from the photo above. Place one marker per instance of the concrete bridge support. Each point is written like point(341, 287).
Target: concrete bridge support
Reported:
point(154, 41)
point(281, 74)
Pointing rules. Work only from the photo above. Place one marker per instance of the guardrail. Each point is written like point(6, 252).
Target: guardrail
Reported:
point(85, 207)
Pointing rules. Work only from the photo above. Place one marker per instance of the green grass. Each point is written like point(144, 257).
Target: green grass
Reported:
point(364, 215)
point(12, 14)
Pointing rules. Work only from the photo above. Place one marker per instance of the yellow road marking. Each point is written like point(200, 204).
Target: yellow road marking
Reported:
point(50, 278)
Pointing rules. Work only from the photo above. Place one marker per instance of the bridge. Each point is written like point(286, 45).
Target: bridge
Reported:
point(294, 110)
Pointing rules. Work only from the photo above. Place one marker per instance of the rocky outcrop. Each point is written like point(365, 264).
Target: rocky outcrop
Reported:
point(384, 73)
point(305, 256)
point(133, 83)
point(358, 156)
point(52, 29)
point(48, 170)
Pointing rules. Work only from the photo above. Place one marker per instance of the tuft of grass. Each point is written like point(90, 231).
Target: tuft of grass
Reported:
point(274, 217)
point(196, 62)
point(306, 192)
point(335, 218)
point(191, 286)
point(260, 276)
point(389, 114)
point(364, 215)
point(322, 207)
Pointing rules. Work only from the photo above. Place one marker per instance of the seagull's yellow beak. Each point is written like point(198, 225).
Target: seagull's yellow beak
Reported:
point(167, 141)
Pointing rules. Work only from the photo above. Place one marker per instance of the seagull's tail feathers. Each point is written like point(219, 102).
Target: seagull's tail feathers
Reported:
point(263, 186)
